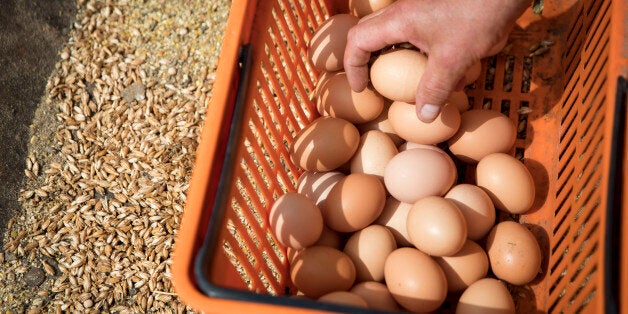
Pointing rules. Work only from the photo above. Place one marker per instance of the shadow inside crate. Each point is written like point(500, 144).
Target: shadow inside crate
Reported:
point(524, 296)
point(541, 184)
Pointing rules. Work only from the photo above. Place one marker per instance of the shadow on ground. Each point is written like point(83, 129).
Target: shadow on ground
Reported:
point(31, 33)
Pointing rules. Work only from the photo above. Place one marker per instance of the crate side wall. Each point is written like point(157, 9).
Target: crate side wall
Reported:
point(278, 105)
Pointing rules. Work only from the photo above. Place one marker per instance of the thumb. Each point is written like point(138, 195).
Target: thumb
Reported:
point(438, 81)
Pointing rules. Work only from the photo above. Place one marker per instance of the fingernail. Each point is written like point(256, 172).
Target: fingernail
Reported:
point(429, 112)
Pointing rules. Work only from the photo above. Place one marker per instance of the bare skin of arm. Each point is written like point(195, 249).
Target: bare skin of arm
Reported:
point(453, 33)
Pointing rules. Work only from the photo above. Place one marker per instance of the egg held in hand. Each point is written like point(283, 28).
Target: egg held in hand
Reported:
point(396, 74)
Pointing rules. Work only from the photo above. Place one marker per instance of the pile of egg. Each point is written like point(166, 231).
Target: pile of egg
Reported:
point(379, 219)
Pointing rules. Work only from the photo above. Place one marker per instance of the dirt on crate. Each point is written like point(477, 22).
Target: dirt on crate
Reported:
point(109, 160)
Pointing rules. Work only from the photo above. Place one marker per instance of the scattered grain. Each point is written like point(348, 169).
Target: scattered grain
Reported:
point(182, 31)
point(540, 48)
point(105, 203)
point(48, 269)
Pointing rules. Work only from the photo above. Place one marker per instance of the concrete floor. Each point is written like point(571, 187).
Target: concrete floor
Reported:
point(31, 33)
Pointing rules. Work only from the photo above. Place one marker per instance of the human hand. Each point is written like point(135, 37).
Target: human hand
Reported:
point(454, 34)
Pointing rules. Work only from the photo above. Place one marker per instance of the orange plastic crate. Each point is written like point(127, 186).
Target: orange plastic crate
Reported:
point(569, 102)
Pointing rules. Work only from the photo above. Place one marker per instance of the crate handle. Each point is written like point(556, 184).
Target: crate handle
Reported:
point(612, 258)
point(218, 209)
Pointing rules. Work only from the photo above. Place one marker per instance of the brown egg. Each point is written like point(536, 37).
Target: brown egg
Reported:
point(324, 144)
point(407, 125)
point(513, 252)
point(394, 216)
point(318, 270)
point(354, 203)
point(486, 295)
point(507, 181)
point(477, 208)
point(326, 49)
point(316, 185)
point(417, 173)
point(436, 226)
point(295, 220)
point(396, 74)
point(339, 101)
point(331, 238)
point(376, 149)
point(368, 249)
point(322, 81)
point(460, 100)
point(415, 280)
point(481, 133)
point(344, 298)
point(361, 8)
point(473, 73)
point(467, 266)
point(381, 123)
point(376, 295)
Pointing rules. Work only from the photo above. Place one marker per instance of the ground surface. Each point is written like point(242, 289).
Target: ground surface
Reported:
point(101, 104)
point(31, 33)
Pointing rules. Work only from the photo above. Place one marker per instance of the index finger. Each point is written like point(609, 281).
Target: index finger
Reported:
point(372, 33)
